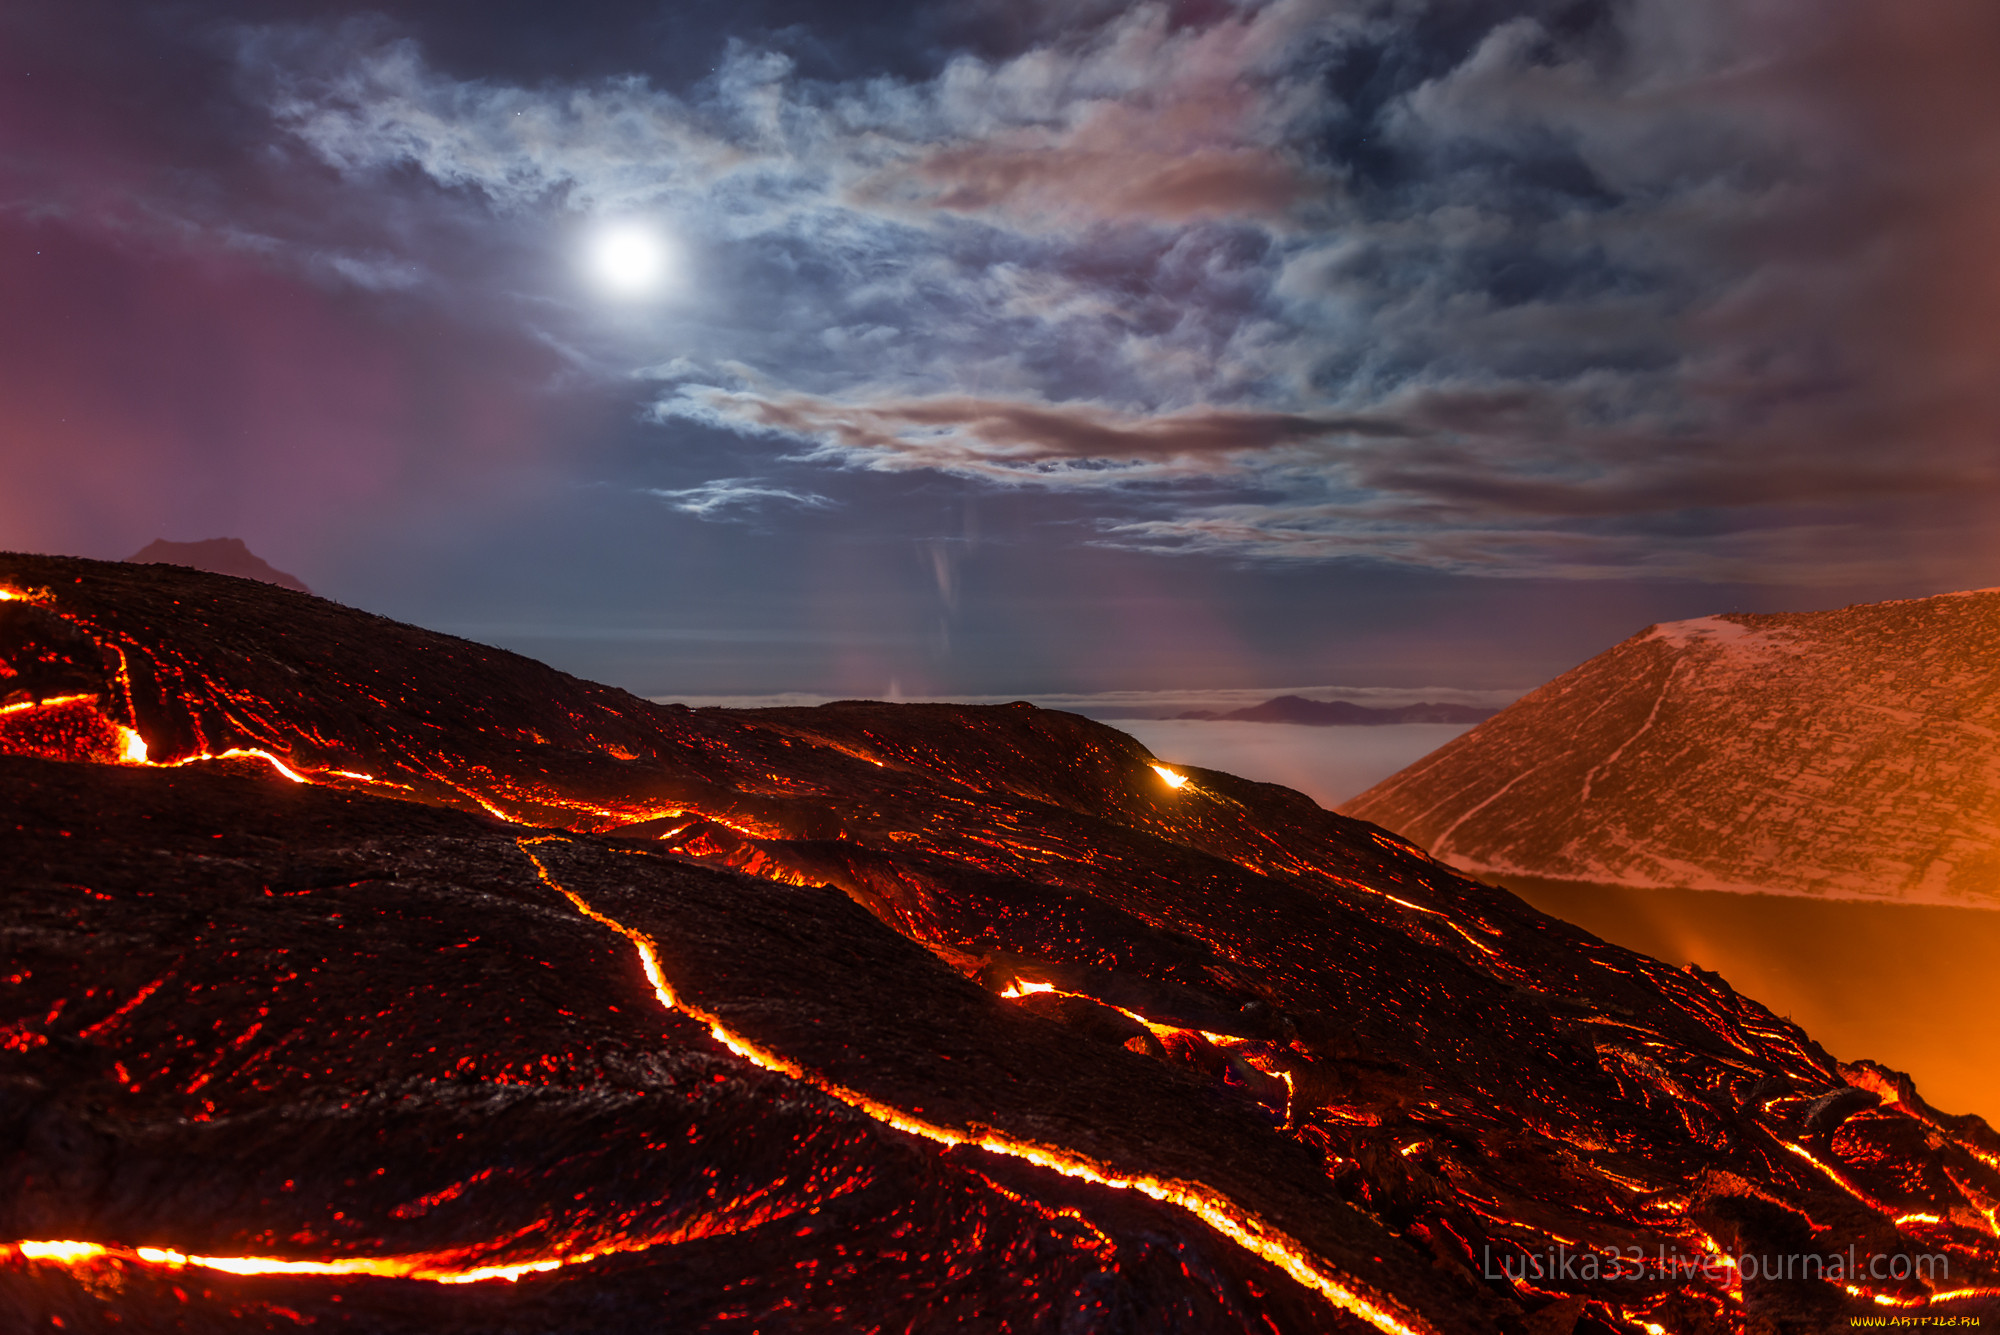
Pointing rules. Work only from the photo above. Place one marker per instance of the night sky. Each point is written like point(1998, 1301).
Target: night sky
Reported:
point(1010, 347)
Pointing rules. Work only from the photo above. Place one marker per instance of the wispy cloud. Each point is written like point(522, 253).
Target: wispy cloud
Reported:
point(724, 497)
point(1022, 441)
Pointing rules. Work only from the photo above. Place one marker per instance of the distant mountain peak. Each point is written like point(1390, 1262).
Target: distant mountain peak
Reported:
point(1342, 713)
point(221, 556)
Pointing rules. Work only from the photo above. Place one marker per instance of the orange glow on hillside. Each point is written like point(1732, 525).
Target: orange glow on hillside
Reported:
point(1172, 779)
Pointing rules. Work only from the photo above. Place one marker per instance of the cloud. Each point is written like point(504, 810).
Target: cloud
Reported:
point(1831, 547)
point(1033, 180)
point(1146, 121)
point(1136, 118)
point(715, 499)
point(1068, 444)
point(1651, 289)
point(368, 103)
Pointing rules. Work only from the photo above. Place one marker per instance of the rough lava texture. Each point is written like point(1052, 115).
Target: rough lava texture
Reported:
point(1849, 753)
point(222, 556)
point(369, 979)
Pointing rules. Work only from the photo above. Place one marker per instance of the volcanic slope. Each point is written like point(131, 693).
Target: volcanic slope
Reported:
point(1848, 753)
point(368, 978)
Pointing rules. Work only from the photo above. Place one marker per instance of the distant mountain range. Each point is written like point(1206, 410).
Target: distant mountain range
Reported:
point(218, 556)
point(1851, 753)
point(1340, 713)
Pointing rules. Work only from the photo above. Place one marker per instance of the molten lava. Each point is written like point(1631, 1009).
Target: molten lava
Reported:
point(1224, 1216)
point(360, 966)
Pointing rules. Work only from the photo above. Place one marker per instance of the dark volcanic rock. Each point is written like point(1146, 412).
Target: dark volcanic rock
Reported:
point(1846, 753)
point(959, 1017)
point(371, 1028)
point(221, 556)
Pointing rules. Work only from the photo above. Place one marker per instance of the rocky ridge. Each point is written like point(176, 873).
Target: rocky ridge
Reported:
point(1849, 753)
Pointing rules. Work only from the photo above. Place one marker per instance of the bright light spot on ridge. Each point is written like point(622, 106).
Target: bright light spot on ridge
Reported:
point(68, 1252)
point(1173, 780)
point(629, 259)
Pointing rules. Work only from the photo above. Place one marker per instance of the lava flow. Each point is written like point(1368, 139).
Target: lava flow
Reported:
point(79, 1255)
point(366, 977)
point(1223, 1215)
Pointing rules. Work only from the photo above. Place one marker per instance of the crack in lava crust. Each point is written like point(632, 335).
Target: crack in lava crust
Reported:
point(1217, 1211)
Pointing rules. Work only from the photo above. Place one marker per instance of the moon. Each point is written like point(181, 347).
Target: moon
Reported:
point(629, 259)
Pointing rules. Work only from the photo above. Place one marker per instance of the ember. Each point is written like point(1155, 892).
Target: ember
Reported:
point(358, 964)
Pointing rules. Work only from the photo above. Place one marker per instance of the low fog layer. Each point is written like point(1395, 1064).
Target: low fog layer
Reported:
point(1853, 974)
point(1329, 765)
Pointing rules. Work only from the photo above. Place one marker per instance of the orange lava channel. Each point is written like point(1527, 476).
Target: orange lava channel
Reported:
point(1216, 1210)
point(134, 751)
point(26, 706)
point(422, 1267)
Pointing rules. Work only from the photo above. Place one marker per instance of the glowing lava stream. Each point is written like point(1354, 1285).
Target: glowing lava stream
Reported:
point(384, 1267)
point(1021, 989)
point(51, 702)
point(1211, 1207)
point(134, 751)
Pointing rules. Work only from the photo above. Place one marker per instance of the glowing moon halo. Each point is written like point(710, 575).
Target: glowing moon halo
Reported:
point(629, 259)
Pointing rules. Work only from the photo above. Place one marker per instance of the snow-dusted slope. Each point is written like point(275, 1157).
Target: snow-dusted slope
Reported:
point(1853, 753)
